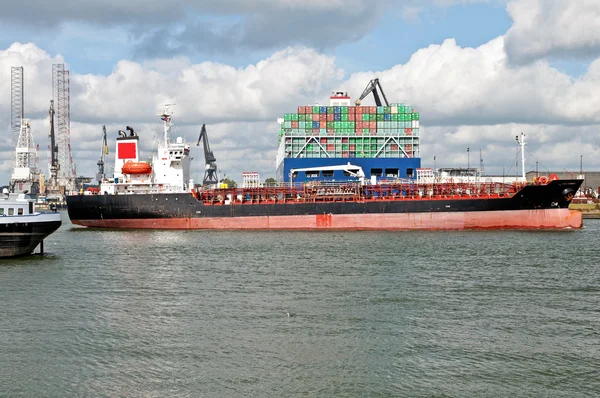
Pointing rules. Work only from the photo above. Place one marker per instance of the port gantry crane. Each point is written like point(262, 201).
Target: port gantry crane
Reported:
point(104, 151)
point(372, 88)
point(210, 167)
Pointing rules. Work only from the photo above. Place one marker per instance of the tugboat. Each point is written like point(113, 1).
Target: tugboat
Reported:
point(22, 228)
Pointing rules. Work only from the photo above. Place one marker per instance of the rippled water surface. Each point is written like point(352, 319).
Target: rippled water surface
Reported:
point(172, 313)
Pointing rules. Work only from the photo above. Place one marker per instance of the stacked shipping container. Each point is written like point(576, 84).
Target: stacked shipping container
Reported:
point(351, 132)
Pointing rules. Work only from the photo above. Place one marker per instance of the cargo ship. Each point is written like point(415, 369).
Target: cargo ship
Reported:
point(383, 188)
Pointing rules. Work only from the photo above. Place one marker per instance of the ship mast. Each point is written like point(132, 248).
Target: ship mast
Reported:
point(522, 143)
point(165, 116)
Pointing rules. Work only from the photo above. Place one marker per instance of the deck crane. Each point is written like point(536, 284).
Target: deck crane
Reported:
point(103, 152)
point(210, 174)
point(372, 87)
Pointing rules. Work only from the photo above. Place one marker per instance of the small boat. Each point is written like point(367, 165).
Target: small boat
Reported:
point(22, 228)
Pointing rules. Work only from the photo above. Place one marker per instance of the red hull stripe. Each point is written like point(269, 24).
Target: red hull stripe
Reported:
point(509, 219)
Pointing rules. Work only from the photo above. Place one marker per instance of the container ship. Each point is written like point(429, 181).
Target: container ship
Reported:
point(350, 174)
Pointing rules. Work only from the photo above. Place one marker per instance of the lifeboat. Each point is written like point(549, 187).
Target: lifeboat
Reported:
point(136, 168)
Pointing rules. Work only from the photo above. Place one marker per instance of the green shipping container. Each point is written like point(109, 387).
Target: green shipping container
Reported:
point(315, 109)
point(387, 109)
point(345, 117)
point(344, 109)
point(330, 125)
point(366, 117)
point(416, 116)
point(294, 117)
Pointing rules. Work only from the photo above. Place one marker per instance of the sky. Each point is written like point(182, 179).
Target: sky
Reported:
point(479, 72)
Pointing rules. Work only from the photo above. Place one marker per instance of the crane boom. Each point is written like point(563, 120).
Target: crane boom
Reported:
point(210, 167)
point(372, 88)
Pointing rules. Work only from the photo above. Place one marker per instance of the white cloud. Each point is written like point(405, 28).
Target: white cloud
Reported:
point(468, 97)
point(479, 86)
point(553, 28)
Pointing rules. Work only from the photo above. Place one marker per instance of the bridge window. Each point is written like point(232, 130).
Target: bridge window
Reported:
point(1, 211)
point(410, 172)
point(327, 173)
point(11, 211)
point(20, 211)
point(391, 172)
point(377, 172)
point(312, 174)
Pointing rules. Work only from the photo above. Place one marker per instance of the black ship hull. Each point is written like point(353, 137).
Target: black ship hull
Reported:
point(21, 238)
point(534, 206)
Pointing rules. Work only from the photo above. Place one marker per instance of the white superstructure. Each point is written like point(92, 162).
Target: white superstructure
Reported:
point(168, 172)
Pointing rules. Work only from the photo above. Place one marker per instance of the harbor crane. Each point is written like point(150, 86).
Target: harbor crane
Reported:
point(54, 165)
point(103, 152)
point(372, 88)
point(210, 167)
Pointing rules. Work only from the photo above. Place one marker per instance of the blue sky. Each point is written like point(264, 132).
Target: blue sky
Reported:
point(478, 70)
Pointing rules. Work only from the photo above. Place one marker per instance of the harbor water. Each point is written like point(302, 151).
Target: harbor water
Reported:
point(227, 314)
